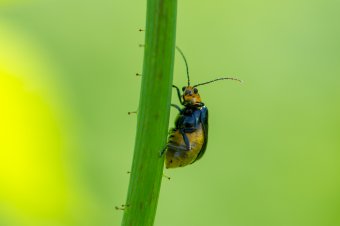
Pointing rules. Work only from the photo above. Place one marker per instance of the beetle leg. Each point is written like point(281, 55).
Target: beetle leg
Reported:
point(177, 107)
point(178, 94)
point(186, 140)
point(171, 131)
point(163, 150)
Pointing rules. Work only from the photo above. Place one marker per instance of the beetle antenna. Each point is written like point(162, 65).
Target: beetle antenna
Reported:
point(186, 63)
point(224, 78)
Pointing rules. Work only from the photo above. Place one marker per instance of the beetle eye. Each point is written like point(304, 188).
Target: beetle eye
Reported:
point(183, 88)
point(195, 90)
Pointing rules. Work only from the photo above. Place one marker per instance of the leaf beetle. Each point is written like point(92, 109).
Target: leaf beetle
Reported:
point(187, 142)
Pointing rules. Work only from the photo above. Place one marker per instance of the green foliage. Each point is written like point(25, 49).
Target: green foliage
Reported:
point(153, 113)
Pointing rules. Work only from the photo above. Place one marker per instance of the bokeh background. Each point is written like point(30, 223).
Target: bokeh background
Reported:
point(67, 81)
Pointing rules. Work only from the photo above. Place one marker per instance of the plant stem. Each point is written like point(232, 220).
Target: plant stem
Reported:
point(153, 113)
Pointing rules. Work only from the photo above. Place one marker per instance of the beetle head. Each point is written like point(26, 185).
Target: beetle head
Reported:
point(191, 95)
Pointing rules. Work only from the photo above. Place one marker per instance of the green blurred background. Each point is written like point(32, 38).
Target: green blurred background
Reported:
point(67, 81)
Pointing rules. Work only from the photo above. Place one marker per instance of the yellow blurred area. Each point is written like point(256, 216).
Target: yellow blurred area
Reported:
point(31, 168)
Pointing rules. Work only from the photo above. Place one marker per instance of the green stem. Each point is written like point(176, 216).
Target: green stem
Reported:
point(153, 113)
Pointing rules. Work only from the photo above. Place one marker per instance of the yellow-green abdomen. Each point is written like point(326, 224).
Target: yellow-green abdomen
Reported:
point(177, 154)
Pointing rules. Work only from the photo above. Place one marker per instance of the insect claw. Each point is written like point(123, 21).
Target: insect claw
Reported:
point(140, 29)
point(132, 112)
point(189, 147)
point(137, 74)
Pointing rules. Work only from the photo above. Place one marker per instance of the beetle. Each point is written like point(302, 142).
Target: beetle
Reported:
point(187, 142)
